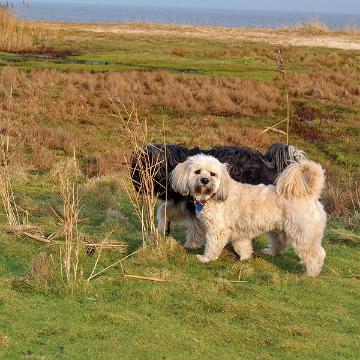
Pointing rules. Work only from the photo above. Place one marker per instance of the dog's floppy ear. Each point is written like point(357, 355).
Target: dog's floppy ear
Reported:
point(225, 179)
point(179, 178)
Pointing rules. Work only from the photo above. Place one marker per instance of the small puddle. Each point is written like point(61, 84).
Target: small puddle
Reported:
point(73, 61)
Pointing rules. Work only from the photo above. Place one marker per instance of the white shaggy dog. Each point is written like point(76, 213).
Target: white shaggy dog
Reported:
point(289, 212)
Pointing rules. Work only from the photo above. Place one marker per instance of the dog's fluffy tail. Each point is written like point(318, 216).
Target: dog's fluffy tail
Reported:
point(302, 180)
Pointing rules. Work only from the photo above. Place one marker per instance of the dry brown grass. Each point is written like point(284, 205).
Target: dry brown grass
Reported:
point(7, 195)
point(42, 270)
point(105, 163)
point(16, 216)
point(312, 27)
point(13, 36)
point(285, 89)
point(300, 35)
point(342, 198)
point(136, 137)
point(66, 174)
point(77, 102)
point(44, 95)
point(41, 274)
point(53, 95)
point(335, 201)
point(318, 27)
point(21, 36)
point(55, 112)
point(52, 112)
point(337, 87)
point(181, 52)
point(4, 340)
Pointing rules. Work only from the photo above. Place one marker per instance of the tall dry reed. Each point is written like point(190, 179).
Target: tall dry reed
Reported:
point(21, 36)
point(285, 90)
point(14, 35)
point(67, 174)
point(7, 195)
point(136, 137)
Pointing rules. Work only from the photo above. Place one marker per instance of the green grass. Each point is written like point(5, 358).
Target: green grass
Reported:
point(110, 52)
point(276, 313)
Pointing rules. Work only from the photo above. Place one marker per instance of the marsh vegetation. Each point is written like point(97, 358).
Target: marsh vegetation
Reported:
point(66, 161)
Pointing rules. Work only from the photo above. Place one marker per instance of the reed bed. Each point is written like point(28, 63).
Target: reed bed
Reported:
point(21, 36)
point(15, 36)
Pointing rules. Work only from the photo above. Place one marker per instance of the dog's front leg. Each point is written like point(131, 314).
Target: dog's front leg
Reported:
point(195, 236)
point(215, 243)
point(163, 219)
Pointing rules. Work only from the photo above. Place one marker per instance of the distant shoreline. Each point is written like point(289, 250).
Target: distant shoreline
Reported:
point(97, 13)
point(312, 34)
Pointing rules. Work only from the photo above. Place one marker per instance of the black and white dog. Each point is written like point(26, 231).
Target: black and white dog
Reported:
point(244, 164)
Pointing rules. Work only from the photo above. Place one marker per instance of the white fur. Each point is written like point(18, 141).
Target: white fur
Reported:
point(290, 212)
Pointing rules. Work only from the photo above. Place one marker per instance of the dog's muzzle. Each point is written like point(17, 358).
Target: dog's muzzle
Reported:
point(204, 186)
point(204, 181)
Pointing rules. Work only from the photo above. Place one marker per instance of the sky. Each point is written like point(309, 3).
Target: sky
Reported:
point(315, 6)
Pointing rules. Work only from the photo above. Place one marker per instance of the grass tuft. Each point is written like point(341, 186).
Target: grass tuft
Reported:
point(312, 27)
point(41, 275)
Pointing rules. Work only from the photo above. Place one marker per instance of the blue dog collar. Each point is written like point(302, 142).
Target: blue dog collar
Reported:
point(199, 206)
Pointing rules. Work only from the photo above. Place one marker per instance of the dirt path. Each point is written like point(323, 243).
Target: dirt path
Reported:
point(347, 40)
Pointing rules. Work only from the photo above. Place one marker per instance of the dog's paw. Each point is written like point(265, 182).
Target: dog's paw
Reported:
point(164, 229)
point(203, 258)
point(267, 251)
point(246, 257)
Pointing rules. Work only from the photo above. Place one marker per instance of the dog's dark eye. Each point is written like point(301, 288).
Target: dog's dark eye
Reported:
point(197, 172)
point(212, 174)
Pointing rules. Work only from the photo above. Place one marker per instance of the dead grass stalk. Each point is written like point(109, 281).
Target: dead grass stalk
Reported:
point(7, 194)
point(136, 136)
point(67, 173)
point(285, 88)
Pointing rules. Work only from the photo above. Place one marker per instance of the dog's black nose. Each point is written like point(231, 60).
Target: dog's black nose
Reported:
point(204, 181)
